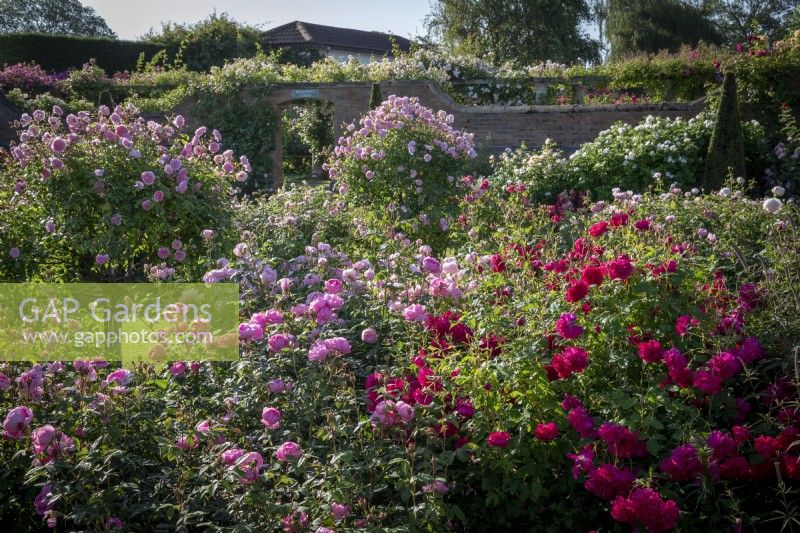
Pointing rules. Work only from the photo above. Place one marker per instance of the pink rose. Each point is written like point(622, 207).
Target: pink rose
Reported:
point(16, 421)
point(369, 335)
point(288, 450)
point(271, 418)
point(415, 313)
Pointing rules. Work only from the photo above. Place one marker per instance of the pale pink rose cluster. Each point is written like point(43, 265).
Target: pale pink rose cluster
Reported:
point(322, 349)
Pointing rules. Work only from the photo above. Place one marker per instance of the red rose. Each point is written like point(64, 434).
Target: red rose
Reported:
point(577, 290)
point(498, 439)
point(547, 431)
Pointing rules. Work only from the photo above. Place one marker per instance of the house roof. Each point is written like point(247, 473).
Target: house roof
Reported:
point(298, 32)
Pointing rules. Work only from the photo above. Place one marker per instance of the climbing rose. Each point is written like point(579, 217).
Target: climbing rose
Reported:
point(339, 511)
point(581, 422)
point(414, 313)
point(43, 501)
point(707, 382)
point(684, 323)
point(229, 457)
point(619, 219)
point(683, 464)
point(250, 464)
point(724, 365)
point(250, 331)
point(767, 447)
point(598, 229)
point(620, 268)
point(279, 341)
point(121, 377)
point(16, 421)
point(570, 361)
point(114, 523)
point(622, 442)
point(369, 335)
point(592, 275)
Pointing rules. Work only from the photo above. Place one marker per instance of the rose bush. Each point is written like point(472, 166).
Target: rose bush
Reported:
point(627, 363)
point(404, 162)
point(110, 196)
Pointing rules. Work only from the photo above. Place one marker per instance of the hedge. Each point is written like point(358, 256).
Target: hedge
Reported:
point(61, 52)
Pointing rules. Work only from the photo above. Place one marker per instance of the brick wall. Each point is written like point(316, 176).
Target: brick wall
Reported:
point(495, 127)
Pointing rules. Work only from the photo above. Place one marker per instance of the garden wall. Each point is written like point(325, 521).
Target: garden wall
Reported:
point(495, 127)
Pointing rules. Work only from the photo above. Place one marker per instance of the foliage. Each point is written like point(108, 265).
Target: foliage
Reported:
point(53, 17)
point(726, 154)
point(218, 99)
point(786, 154)
point(767, 75)
point(421, 391)
point(208, 43)
point(652, 154)
point(282, 224)
point(738, 19)
point(62, 52)
point(634, 26)
point(109, 196)
point(541, 171)
point(524, 31)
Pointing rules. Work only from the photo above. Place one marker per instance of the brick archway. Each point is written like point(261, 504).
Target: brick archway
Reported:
point(349, 101)
point(280, 108)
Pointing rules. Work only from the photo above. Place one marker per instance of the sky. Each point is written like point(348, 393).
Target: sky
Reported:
point(131, 19)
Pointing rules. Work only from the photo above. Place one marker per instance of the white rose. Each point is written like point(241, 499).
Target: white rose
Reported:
point(772, 205)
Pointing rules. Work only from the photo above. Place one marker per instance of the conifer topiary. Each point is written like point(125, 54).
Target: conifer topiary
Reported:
point(726, 149)
point(375, 98)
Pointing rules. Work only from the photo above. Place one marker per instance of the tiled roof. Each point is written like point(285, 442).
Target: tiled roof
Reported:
point(298, 32)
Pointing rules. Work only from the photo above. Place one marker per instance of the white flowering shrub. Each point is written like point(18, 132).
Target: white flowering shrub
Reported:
point(538, 173)
point(657, 150)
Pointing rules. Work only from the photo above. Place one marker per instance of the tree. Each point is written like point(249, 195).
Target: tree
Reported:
point(209, 42)
point(793, 23)
point(59, 17)
point(523, 31)
point(726, 149)
point(654, 25)
point(736, 19)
